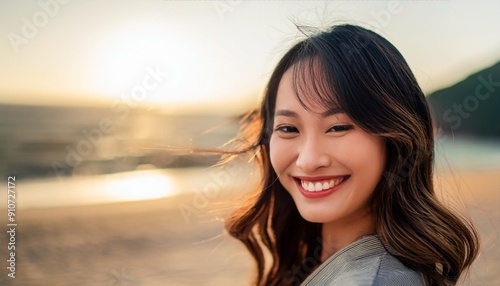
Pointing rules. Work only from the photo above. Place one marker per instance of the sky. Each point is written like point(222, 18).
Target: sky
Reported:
point(214, 56)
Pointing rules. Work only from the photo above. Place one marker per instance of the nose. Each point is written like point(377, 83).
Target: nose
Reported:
point(313, 156)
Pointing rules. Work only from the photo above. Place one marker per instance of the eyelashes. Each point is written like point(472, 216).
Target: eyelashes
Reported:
point(340, 128)
point(292, 129)
point(286, 129)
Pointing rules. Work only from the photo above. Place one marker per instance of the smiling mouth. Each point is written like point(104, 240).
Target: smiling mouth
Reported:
point(321, 185)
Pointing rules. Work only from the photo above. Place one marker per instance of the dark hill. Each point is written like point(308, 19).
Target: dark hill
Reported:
point(470, 107)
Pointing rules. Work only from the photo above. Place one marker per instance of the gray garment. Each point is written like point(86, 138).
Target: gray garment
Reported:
point(364, 262)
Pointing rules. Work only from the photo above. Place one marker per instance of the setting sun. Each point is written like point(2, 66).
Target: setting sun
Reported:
point(143, 185)
point(125, 58)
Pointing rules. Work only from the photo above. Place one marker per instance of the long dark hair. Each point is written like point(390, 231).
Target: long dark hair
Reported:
point(366, 76)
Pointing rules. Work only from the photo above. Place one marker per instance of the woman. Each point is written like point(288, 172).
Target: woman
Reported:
point(345, 145)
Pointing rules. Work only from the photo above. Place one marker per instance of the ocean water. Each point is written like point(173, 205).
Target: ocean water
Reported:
point(136, 185)
point(162, 245)
point(466, 154)
point(452, 154)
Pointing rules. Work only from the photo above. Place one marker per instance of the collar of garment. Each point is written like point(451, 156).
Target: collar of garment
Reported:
point(363, 247)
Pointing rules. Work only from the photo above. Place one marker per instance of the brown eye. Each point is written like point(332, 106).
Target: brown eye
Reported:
point(340, 128)
point(286, 129)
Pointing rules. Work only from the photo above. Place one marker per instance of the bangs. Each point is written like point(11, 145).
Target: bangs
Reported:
point(313, 84)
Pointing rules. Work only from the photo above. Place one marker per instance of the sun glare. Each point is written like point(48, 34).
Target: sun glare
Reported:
point(139, 185)
point(126, 58)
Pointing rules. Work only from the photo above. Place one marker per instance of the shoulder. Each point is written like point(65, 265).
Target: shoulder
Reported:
point(386, 270)
point(394, 272)
point(364, 263)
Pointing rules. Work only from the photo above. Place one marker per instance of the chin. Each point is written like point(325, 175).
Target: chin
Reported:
point(314, 216)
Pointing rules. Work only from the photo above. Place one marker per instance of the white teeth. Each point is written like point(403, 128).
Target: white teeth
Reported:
point(331, 183)
point(320, 186)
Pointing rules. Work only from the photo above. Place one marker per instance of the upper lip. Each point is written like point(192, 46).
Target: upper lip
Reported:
point(318, 178)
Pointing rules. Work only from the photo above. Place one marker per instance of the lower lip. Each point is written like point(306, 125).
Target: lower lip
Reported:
point(319, 194)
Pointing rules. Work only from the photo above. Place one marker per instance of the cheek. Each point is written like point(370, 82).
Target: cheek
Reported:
point(279, 154)
point(369, 157)
point(273, 154)
point(363, 154)
point(376, 153)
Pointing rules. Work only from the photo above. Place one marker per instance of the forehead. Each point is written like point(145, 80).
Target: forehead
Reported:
point(304, 86)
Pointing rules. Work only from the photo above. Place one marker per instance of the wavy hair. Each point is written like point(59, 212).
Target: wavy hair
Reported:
point(366, 76)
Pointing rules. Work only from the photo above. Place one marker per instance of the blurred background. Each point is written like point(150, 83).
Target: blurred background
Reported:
point(92, 91)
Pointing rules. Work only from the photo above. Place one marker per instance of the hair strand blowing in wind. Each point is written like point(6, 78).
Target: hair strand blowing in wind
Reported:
point(366, 76)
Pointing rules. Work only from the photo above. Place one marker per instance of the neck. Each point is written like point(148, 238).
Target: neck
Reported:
point(337, 235)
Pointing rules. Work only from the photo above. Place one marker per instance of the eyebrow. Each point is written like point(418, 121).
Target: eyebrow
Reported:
point(289, 113)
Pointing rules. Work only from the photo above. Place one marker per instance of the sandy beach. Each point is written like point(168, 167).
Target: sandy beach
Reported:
point(152, 243)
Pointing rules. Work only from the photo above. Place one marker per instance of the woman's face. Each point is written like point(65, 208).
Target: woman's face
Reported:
point(329, 165)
